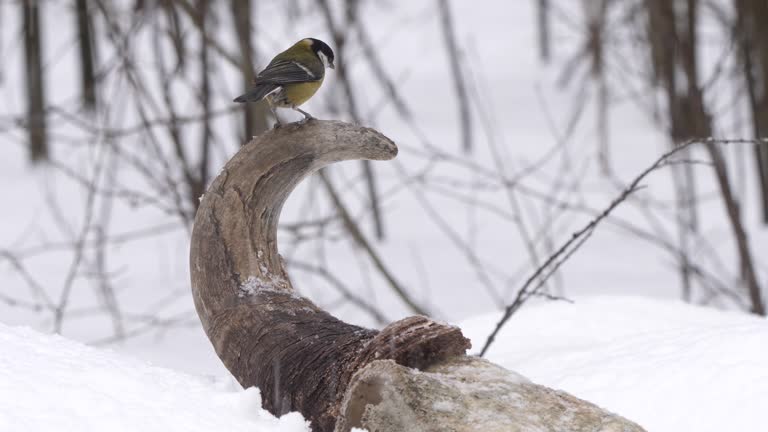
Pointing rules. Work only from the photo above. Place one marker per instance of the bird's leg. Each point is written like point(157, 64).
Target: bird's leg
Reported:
point(274, 113)
point(307, 116)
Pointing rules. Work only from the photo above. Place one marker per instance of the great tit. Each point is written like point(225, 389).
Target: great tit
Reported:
point(292, 77)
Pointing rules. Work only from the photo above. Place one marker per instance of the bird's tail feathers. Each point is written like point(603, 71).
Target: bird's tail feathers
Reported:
point(257, 93)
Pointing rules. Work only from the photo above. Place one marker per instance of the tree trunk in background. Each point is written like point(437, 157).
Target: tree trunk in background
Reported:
point(87, 54)
point(2, 66)
point(457, 74)
point(543, 10)
point(33, 46)
point(672, 34)
point(750, 28)
point(672, 40)
point(748, 274)
point(596, 14)
point(255, 116)
point(197, 187)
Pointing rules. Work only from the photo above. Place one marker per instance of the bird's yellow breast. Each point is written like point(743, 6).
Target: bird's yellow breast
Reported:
point(299, 93)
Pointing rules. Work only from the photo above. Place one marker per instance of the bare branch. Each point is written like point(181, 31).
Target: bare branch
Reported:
point(578, 237)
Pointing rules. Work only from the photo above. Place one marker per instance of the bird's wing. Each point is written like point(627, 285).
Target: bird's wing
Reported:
point(286, 72)
point(257, 93)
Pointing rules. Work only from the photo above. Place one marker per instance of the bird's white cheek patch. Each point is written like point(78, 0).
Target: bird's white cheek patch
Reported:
point(324, 58)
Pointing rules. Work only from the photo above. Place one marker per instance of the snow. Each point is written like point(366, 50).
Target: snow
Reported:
point(49, 383)
point(667, 365)
point(256, 284)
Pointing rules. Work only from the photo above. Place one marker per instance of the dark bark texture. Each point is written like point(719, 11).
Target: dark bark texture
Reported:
point(753, 38)
point(672, 31)
point(300, 357)
point(33, 47)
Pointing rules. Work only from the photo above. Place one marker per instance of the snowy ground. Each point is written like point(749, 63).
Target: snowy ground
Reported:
point(669, 366)
point(52, 384)
point(664, 364)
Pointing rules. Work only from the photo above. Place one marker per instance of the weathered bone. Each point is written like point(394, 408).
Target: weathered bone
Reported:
point(298, 355)
point(338, 375)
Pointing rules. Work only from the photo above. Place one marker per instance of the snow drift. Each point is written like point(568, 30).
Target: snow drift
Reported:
point(666, 365)
point(48, 383)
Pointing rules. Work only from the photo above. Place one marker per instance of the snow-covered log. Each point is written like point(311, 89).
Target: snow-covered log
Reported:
point(339, 375)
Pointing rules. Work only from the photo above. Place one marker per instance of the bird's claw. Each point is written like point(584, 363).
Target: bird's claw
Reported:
point(307, 116)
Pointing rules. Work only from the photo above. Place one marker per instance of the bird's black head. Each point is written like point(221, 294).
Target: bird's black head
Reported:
point(323, 51)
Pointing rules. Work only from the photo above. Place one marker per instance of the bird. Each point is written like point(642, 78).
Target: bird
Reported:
point(292, 77)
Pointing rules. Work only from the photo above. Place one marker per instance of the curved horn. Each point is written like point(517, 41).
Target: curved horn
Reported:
point(301, 357)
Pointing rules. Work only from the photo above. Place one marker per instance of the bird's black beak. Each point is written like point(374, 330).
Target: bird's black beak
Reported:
point(330, 65)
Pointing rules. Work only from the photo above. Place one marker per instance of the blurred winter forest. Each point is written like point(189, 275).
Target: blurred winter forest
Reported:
point(515, 135)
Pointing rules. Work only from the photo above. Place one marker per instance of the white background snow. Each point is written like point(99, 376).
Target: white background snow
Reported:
point(626, 343)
